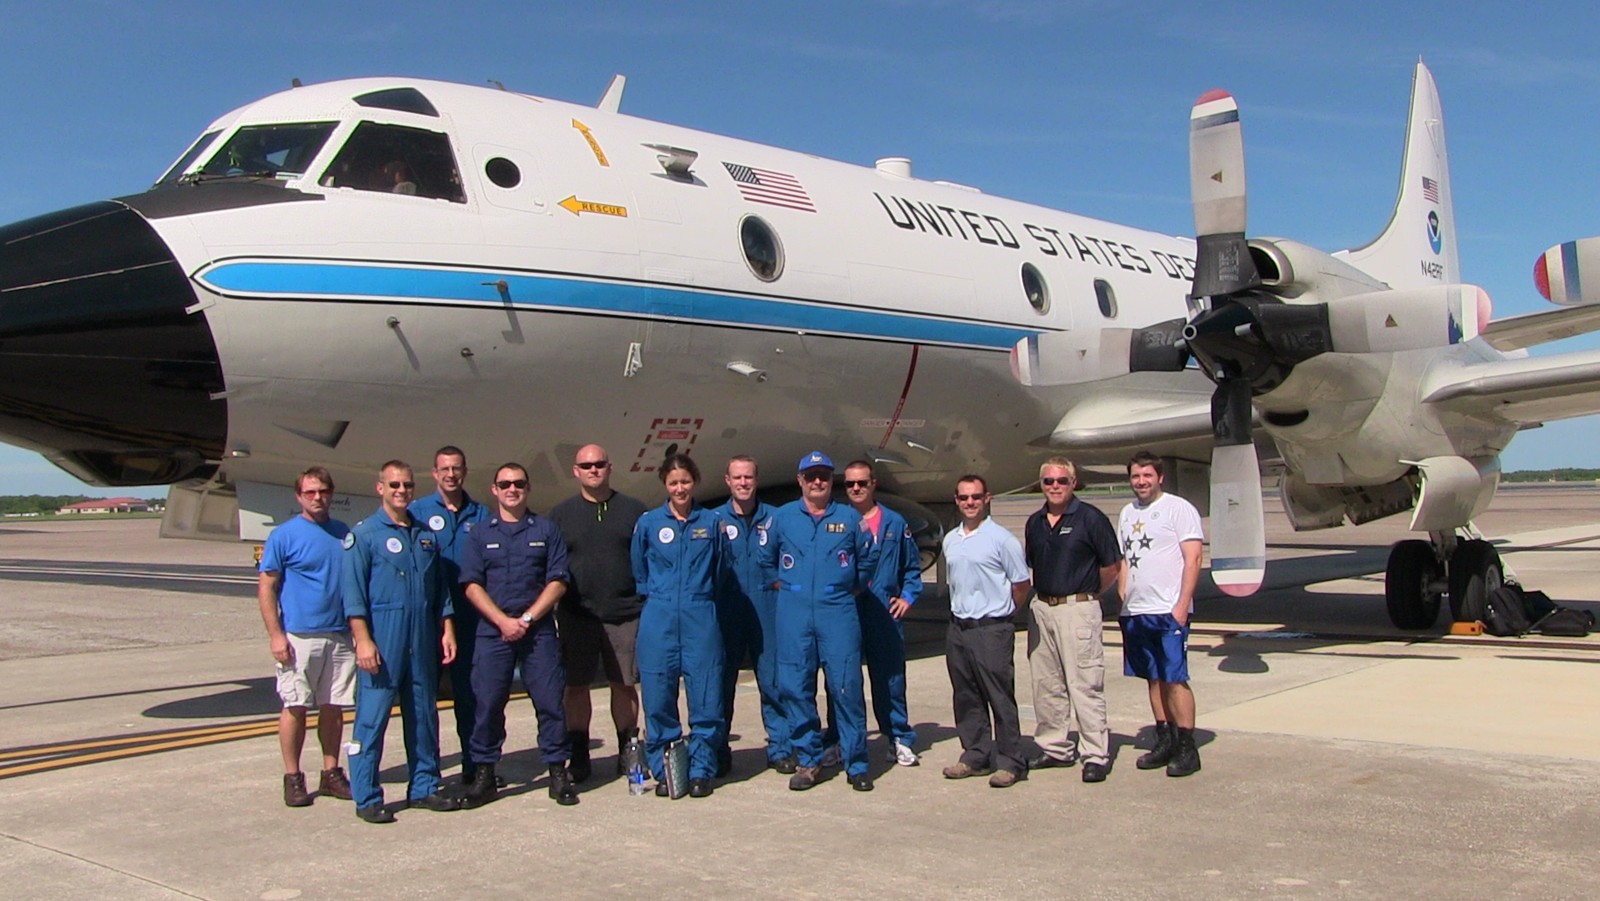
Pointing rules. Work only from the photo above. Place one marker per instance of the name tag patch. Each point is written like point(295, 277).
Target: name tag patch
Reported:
point(699, 534)
point(836, 527)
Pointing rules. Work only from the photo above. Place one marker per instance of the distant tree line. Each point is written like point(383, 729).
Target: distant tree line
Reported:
point(15, 504)
point(1553, 475)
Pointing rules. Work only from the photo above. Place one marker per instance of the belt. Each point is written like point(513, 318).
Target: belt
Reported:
point(961, 622)
point(1080, 597)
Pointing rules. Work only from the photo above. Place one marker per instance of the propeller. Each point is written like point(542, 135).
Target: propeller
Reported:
point(1225, 337)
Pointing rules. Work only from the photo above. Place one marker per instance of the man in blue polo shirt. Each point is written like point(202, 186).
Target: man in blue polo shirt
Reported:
point(451, 514)
point(823, 558)
point(988, 581)
point(307, 634)
point(1075, 556)
point(399, 611)
point(515, 570)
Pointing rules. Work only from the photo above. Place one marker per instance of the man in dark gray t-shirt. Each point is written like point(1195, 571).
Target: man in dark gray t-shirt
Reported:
point(599, 615)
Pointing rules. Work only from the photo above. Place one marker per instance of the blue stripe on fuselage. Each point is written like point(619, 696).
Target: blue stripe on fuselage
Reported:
point(288, 280)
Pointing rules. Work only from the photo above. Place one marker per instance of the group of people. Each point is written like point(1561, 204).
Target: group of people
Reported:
point(677, 597)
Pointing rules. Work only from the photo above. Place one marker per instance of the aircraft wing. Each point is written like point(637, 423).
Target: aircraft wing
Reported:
point(1526, 390)
point(1516, 332)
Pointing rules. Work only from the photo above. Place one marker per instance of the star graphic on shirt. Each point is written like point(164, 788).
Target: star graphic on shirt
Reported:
point(1133, 561)
point(1127, 545)
point(1138, 526)
point(1145, 542)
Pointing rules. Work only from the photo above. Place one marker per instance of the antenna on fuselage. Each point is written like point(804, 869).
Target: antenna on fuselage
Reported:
point(611, 100)
point(496, 83)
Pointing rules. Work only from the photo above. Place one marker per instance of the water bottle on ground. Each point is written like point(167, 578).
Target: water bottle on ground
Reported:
point(633, 759)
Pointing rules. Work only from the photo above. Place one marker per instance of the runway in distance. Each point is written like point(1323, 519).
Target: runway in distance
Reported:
point(351, 271)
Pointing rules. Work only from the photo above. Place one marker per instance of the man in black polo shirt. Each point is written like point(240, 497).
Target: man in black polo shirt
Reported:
point(1074, 554)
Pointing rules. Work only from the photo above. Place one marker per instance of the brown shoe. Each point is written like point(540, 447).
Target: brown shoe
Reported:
point(294, 790)
point(963, 770)
point(804, 777)
point(1004, 779)
point(333, 784)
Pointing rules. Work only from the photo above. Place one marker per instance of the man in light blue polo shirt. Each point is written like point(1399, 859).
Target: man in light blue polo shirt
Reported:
point(988, 582)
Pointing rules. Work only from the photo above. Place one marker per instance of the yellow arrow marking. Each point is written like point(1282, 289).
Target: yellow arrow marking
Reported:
point(575, 206)
point(599, 155)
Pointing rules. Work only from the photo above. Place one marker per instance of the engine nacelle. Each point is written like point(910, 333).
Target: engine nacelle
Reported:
point(1410, 319)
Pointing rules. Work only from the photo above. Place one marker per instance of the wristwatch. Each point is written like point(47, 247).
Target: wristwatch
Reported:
point(527, 619)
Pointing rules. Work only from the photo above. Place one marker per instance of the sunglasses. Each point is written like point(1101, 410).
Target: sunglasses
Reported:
point(396, 486)
point(857, 483)
point(970, 497)
point(1064, 480)
point(519, 484)
point(817, 476)
point(311, 492)
point(593, 464)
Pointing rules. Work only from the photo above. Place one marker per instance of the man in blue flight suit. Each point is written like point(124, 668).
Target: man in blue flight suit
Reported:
point(451, 514)
point(515, 570)
point(399, 612)
point(749, 615)
point(822, 558)
point(896, 585)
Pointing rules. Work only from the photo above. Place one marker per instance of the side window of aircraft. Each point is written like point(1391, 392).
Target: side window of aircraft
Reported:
point(189, 156)
point(503, 172)
point(1107, 297)
point(762, 252)
point(396, 159)
point(269, 149)
point(1034, 287)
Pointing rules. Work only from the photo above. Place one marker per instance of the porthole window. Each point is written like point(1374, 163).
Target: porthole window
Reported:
point(762, 252)
point(503, 172)
point(1107, 298)
point(1034, 288)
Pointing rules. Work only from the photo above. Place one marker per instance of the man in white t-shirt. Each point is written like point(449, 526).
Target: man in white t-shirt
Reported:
point(1161, 537)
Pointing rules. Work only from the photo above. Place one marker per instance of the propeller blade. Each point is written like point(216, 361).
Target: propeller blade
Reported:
point(1238, 532)
point(1217, 188)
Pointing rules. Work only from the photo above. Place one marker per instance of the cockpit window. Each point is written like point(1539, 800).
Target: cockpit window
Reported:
point(269, 150)
point(396, 159)
point(189, 156)
point(406, 100)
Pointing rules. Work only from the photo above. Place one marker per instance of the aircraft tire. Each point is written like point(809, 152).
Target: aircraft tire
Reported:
point(1411, 571)
point(1474, 572)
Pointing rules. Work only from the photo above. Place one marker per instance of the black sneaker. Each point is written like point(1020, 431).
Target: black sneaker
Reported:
point(1094, 772)
point(699, 788)
point(784, 765)
point(662, 791)
point(1045, 761)
point(436, 802)
point(377, 813)
point(861, 782)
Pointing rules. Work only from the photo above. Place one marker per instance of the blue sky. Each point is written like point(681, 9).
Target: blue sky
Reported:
point(1077, 105)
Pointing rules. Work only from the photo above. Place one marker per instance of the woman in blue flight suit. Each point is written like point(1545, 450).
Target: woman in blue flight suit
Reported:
point(680, 559)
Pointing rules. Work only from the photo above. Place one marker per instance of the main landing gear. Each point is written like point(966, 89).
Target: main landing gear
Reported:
point(1422, 573)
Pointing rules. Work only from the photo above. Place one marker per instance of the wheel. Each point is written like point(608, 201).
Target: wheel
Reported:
point(1407, 585)
point(1474, 572)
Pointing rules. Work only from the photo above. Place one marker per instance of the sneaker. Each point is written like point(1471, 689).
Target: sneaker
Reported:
point(699, 788)
point(861, 782)
point(903, 755)
point(662, 791)
point(831, 756)
point(333, 784)
point(963, 770)
point(294, 790)
point(437, 802)
point(1004, 779)
point(1045, 761)
point(377, 813)
point(804, 777)
point(1094, 772)
point(784, 765)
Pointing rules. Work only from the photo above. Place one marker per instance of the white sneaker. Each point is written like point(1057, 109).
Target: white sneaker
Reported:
point(904, 756)
point(831, 756)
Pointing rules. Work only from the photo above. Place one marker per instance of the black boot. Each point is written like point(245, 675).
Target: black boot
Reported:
point(1162, 752)
point(482, 790)
point(561, 788)
point(623, 737)
point(578, 763)
point(1185, 756)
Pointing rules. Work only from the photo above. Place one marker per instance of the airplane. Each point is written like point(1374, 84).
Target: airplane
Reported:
point(347, 272)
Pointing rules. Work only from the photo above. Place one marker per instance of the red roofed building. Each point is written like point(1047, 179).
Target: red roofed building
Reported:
point(107, 505)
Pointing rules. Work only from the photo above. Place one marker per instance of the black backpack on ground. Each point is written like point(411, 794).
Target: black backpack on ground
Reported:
point(1567, 623)
point(1504, 612)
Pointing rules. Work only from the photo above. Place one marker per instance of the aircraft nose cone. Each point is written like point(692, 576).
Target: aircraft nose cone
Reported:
point(101, 368)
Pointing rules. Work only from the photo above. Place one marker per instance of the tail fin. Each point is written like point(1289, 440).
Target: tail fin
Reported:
point(1418, 247)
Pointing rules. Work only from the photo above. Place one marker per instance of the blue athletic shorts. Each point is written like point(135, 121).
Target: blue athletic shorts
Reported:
point(1155, 646)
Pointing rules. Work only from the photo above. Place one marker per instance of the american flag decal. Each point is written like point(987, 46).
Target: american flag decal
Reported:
point(1430, 189)
point(768, 186)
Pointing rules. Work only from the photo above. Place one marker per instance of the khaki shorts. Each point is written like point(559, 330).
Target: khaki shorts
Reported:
point(586, 642)
point(322, 672)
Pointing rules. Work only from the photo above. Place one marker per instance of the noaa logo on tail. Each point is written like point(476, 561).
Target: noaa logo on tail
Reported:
point(1435, 236)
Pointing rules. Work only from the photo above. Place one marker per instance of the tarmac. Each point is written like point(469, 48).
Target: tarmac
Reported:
point(1342, 758)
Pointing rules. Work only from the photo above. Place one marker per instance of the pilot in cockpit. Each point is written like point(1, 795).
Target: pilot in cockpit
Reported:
point(398, 178)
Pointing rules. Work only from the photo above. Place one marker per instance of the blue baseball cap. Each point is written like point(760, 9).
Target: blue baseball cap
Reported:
point(815, 460)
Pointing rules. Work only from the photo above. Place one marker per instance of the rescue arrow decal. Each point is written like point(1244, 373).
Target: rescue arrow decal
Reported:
point(599, 155)
point(575, 206)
